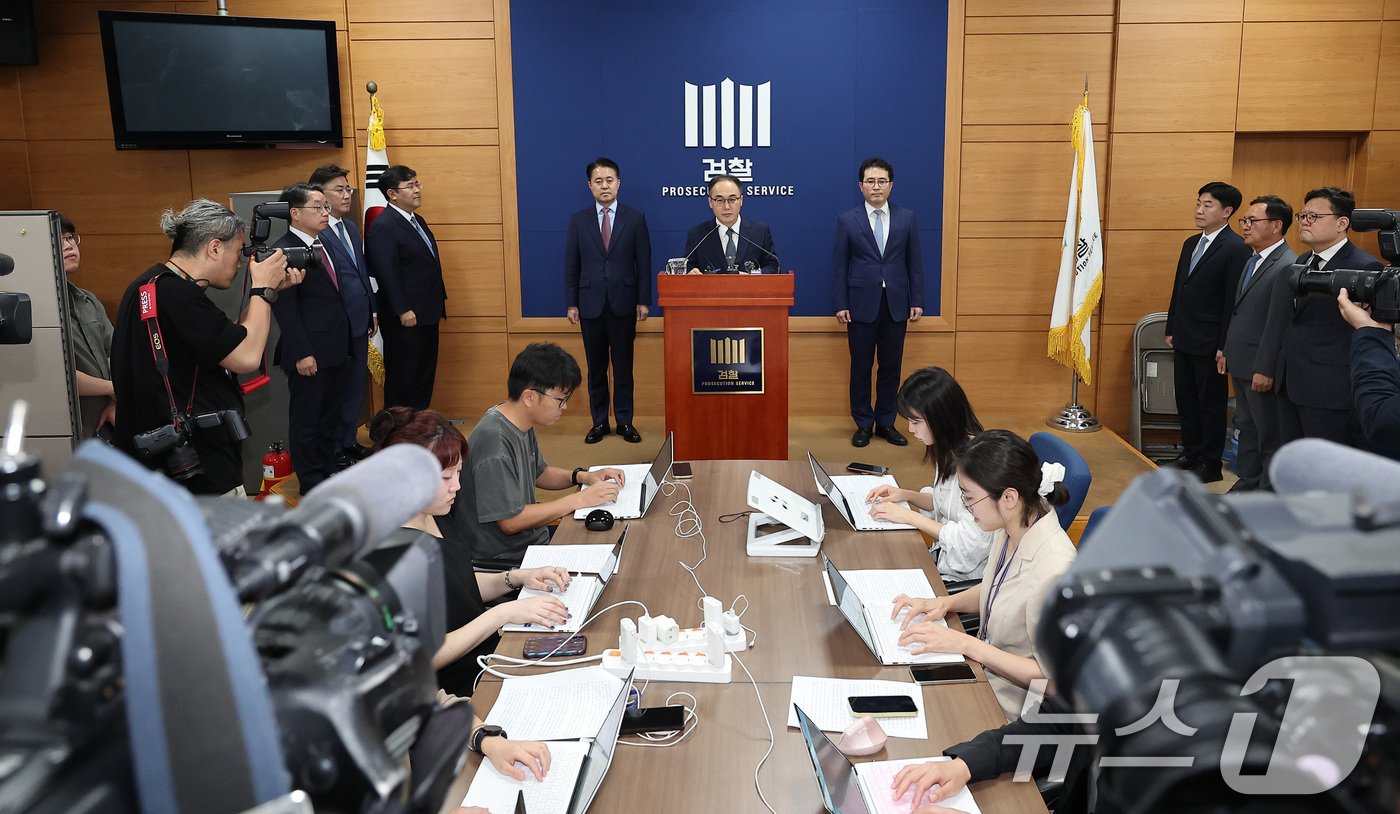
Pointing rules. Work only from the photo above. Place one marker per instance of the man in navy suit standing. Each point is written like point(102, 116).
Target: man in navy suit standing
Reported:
point(1314, 378)
point(607, 285)
point(342, 241)
point(403, 258)
point(728, 243)
point(877, 282)
point(315, 342)
point(1207, 271)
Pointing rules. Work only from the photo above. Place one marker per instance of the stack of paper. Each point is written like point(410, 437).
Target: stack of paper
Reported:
point(826, 701)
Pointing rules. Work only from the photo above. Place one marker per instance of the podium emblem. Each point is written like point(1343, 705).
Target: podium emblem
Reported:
point(726, 360)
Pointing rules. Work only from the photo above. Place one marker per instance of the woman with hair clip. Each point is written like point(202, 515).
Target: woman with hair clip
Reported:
point(471, 625)
point(938, 412)
point(1008, 490)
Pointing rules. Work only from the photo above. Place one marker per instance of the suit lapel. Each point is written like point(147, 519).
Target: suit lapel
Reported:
point(863, 216)
point(1259, 271)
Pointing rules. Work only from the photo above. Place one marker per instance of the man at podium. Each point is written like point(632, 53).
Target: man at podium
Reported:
point(727, 244)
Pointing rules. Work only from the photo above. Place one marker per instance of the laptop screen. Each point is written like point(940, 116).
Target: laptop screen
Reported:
point(828, 487)
point(850, 604)
point(659, 467)
point(835, 774)
point(600, 754)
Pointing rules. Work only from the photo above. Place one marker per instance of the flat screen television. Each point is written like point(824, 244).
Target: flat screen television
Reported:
point(190, 81)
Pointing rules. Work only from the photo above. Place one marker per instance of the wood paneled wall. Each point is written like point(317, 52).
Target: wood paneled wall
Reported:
point(1174, 88)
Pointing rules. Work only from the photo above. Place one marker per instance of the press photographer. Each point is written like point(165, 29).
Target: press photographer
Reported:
point(175, 354)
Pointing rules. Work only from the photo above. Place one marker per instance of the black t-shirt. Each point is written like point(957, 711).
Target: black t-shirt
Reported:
point(464, 603)
point(197, 337)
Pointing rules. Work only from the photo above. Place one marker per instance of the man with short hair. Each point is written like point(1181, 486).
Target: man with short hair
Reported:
point(607, 287)
point(342, 241)
point(727, 243)
point(92, 344)
point(496, 508)
point(1314, 385)
point(876, 243)
point(315, 342)
point(403, 257)
point(1196, 321)
point(1252, 341)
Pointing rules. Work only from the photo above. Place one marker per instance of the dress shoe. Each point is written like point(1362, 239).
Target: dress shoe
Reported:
point(1243, 486)
point(1179, 462)
point(356, 452)
point(1207, 473)
point(344, 460)
point(892, 435)
point(629, 433)
point(861, 437)
point(596, 434)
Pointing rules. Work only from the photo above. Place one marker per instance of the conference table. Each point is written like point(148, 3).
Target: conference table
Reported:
point(798, 633)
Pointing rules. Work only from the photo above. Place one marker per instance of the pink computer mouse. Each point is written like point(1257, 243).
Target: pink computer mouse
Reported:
point(864, 737)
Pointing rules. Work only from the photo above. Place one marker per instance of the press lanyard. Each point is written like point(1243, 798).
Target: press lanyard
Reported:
point(999, 576)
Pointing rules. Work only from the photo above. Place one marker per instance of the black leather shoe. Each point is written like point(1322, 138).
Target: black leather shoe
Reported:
point(1180, 462)
point(1207, 473)
point(861, 437)
point(596, 434)
point(892, 435)
point(629, 433)
point(356, 453)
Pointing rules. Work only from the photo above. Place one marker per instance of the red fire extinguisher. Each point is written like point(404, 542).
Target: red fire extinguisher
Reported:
point(277, 467)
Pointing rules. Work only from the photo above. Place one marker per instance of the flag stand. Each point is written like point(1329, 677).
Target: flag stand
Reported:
point(1074, 417)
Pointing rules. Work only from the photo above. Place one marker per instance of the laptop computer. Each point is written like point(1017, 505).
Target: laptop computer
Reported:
point(847, 493)
point(864, 788)
point(583, 593)
point(871, 616)
point(642, 482)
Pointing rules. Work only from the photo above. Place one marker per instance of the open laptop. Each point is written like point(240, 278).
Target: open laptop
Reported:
point(576, 773)
point(864, 788)
point(871, 619)
point(584, 590)
point(643, 481)
point(847, 493)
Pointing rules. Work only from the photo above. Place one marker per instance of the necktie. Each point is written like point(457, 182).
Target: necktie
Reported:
point(607, 228)
point(880, 230)
point(1249, 270)
point(421, 233)
point(345, 238)
point(731, 251)
point(1316, 262)
point(325, 259)
point(1196, 256)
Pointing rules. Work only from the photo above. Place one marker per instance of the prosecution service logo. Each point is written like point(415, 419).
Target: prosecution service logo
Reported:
point(723, 117)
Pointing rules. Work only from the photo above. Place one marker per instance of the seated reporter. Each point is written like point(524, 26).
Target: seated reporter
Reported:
point(471, 625)
point(1009, 491)
point(1375, 374)
point(939, 415)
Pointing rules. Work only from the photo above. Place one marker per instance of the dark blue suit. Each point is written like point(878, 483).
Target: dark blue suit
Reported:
point(606, 287)
point(358, 298)
point(410, 279)
point(312, 319)
point(1314, 373)
point(878, 290)
point(709, 257)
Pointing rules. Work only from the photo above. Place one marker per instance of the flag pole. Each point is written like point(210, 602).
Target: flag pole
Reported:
point(1074, 417)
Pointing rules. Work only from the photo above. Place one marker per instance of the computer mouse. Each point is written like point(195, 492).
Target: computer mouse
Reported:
point(598, 520)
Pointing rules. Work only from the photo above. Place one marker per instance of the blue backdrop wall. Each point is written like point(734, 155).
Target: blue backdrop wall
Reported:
point(814, 87)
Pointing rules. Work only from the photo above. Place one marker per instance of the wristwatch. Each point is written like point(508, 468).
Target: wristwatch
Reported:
point(574, 476)
point(483, 732)
point(269, 294)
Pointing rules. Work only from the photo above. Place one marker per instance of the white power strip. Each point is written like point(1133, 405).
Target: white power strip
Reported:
point(668, 665)
point(694, 640)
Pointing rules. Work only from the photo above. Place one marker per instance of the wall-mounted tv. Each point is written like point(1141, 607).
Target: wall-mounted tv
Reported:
point(189, 81)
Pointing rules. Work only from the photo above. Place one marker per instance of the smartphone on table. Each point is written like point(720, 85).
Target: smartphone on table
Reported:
point(680, 470)
point(883, 706)
point(942, 673)
point(867, 469)
point(654, 719)
point(537, 647)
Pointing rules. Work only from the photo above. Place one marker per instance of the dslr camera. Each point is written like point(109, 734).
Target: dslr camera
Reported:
point(1380, 288)
point(173, 440)
point(257, 248)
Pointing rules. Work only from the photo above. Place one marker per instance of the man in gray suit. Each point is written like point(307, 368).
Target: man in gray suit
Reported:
point(1253, 340)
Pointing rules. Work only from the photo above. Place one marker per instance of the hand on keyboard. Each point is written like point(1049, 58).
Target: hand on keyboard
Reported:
point(939, 779)
point(546, 611)
point(600, 493)
point(548, 578)
point(513, 758)
point(933, 608)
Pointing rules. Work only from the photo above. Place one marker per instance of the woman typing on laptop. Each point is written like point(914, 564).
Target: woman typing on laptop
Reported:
point(1009, 492)
point(939, 415)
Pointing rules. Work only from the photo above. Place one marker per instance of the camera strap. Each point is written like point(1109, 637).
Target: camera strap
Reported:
point(262, 377)
point(150, 316)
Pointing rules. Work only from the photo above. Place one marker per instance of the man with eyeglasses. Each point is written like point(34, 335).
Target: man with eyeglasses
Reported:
point(342, 241)
point(92, 344)
point(315, 342)
point(403, 258)
point(727, 243)
point(1252, 341)
point(496, 508)
point(877, 283)
point(1196, 322)
point(1314, 378)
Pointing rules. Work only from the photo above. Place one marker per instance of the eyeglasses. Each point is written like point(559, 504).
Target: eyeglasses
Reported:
point(414, 184)
point(1311, 217)
point(1248, 223)
point(877, 182)
point(730, 201)
point(317, 207)
point(72, 237)
point(341, 190)
point(563, 402)
point(967, 505)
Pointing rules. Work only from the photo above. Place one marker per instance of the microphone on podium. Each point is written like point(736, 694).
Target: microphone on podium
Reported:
point(765, 251)
point(697, 245)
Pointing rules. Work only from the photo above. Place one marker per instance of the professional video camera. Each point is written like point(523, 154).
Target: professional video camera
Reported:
point(162, 654)
point(173, 440)
point(257, 248)
point(1269, 623)
point(1378, 288)
point(16, 313)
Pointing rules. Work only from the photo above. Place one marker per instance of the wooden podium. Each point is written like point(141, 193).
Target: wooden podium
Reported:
point(727, 364)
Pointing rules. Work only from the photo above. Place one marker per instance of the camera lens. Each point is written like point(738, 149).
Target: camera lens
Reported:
point(183, 463)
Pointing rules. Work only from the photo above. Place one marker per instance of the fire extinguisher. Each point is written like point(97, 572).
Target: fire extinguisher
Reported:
point(277, 467)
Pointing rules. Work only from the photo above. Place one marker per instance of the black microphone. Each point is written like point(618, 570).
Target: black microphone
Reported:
point(355, 510)
point(697, 245)
point(7, 264)
point(1315, 465)
point(765, 251)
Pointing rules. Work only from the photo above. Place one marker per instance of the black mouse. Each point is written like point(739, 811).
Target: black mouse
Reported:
point(598, 520)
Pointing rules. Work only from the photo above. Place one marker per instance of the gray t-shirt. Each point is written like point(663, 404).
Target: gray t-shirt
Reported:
point(498, 482)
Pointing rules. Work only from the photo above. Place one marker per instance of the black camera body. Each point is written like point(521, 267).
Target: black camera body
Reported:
point(173, 440)
point(257, 249)
point(1378, 288)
